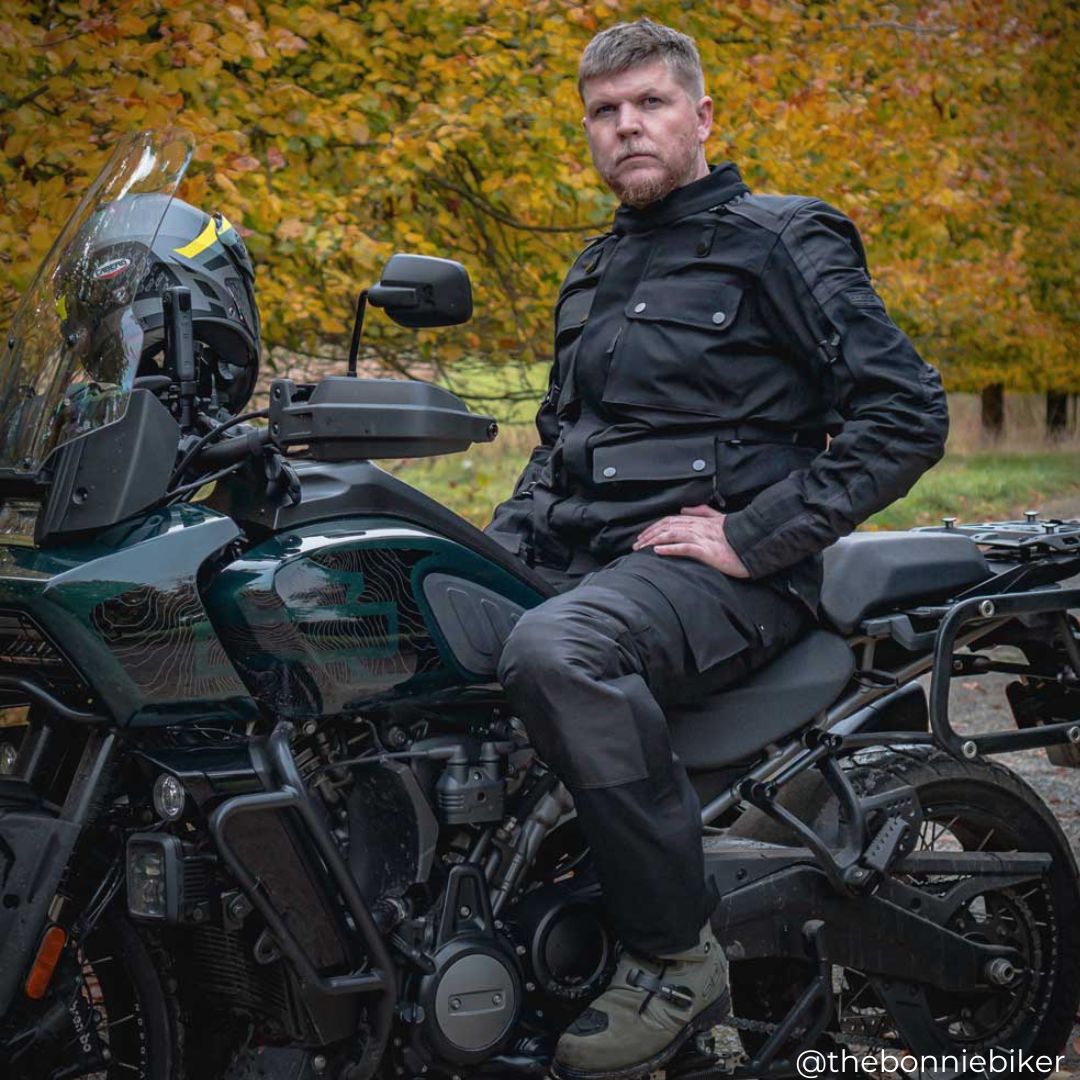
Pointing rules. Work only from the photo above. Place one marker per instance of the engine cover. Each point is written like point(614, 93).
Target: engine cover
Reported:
point(571, 952)
point(472, 1000)
point(568, 947)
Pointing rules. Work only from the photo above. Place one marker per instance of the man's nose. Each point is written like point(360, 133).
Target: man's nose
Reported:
point(629, 120)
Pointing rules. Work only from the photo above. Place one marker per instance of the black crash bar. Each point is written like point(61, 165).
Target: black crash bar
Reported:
point(27, 692)
point(292, 795)
point(1004, 605)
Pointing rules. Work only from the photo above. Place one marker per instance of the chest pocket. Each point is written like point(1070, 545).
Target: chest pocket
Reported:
point(675, 347)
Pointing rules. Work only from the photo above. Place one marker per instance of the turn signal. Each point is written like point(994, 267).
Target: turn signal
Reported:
point(48, 956)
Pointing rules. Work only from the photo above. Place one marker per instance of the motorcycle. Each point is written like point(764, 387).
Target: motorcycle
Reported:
point(272, 816)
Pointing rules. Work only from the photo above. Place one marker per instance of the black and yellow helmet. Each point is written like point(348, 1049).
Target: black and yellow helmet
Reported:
point(205, 253)
point(200, 251)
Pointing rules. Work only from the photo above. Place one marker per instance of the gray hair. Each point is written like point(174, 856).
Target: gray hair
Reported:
point(628, 45)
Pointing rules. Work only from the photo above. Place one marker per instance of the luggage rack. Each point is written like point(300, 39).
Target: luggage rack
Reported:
point(1028, 539)
point(997, 610)
point(1043, 552)
point(1000, 608)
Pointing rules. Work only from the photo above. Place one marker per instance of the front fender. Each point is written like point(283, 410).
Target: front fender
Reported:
point(35, 847)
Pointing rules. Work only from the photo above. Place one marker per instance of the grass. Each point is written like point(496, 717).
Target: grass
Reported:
point(971, 487)
point(980, 487)
point(474, 482)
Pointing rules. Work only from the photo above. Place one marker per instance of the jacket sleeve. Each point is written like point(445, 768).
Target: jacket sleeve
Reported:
point(816, 294)
point(510, 524)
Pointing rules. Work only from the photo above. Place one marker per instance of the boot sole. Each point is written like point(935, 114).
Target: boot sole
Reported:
point(710, 1016)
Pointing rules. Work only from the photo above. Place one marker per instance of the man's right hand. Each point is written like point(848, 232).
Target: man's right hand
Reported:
point(697, 533)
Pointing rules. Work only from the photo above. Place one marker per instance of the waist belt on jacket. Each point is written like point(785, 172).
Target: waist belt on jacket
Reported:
point(815, 438)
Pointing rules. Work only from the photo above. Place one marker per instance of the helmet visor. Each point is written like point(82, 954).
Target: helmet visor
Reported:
point(75, 343)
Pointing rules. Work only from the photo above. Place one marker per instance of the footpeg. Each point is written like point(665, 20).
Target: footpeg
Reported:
point(883, 849)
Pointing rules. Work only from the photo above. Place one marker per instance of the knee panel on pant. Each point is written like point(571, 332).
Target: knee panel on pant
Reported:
point(526, 654)
point(545, 645)
point(592, 721)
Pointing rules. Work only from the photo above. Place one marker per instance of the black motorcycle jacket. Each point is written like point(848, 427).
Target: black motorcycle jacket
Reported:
point(726, 348)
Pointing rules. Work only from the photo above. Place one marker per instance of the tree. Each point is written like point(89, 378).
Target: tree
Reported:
point(333, 135)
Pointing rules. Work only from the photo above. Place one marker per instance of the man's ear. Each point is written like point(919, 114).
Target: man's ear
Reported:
point(704, 111)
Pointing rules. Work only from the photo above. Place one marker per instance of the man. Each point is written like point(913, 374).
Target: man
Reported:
point(679, 498)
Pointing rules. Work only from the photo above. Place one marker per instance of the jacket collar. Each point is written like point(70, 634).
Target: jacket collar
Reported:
point(722, 184)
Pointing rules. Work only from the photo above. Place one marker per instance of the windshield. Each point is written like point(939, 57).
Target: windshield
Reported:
point(75, 344)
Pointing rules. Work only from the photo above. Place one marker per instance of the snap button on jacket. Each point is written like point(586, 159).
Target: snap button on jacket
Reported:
point(726, 348)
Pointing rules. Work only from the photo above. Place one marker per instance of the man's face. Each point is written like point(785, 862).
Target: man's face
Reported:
point(645, 133)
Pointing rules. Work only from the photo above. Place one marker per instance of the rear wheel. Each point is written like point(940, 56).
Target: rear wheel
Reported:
point(966, 806)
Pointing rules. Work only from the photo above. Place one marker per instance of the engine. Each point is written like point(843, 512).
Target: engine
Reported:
point(467, 854)
point(467, 850)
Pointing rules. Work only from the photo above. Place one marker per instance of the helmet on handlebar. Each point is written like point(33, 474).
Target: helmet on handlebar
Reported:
point(190, 248)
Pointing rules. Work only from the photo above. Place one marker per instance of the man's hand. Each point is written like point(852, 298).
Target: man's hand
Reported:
point(697, 533)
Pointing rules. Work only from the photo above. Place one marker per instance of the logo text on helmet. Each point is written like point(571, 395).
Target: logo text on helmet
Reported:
point(110, 269)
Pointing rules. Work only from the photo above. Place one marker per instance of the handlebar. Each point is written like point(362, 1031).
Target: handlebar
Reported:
point(227, 451)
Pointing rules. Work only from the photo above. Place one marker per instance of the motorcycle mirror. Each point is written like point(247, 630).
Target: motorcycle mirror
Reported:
point(421, 290)
point(416, 291)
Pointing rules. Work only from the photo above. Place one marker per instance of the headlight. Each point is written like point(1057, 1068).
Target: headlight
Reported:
point(8, 756)
point(169, 797)
point(154, 876)
point(168, 880)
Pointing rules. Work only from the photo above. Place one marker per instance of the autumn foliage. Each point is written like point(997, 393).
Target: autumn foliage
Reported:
point(336, 134)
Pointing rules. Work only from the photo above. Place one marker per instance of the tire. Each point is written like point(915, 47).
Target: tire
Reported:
point(973, 806)
point(113, 984)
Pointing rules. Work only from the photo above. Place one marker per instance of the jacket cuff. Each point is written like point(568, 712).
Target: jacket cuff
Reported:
point(744, 534)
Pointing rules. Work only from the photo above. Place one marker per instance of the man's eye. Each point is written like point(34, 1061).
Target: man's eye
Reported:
point(601, 109)
point(653, 100)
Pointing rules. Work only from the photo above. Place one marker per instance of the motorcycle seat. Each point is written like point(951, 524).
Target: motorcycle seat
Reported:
point(776, 701)
point(871, 573)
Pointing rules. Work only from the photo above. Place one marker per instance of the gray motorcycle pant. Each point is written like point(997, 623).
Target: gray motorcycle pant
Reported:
point(590, 672)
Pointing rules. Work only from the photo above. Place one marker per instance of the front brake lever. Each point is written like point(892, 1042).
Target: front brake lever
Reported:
point(282, 483)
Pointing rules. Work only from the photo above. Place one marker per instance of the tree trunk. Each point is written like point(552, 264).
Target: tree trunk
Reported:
point(1057, 414)
point(993, 410)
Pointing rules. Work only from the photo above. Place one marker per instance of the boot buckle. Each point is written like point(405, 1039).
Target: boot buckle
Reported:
point(679, 996)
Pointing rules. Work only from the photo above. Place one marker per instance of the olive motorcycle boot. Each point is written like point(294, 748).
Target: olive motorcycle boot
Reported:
point(651, 1009)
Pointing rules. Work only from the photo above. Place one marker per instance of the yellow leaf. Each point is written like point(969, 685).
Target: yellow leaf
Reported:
point(232, 44)
point(290, 229)
point(131, 25)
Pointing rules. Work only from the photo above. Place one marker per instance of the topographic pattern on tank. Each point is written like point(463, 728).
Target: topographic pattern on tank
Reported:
point(335, 629)
point(164, 641)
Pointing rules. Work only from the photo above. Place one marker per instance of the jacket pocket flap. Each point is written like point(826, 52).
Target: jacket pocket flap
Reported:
point(573, 310)
point(654, 459)
point(706, 305)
